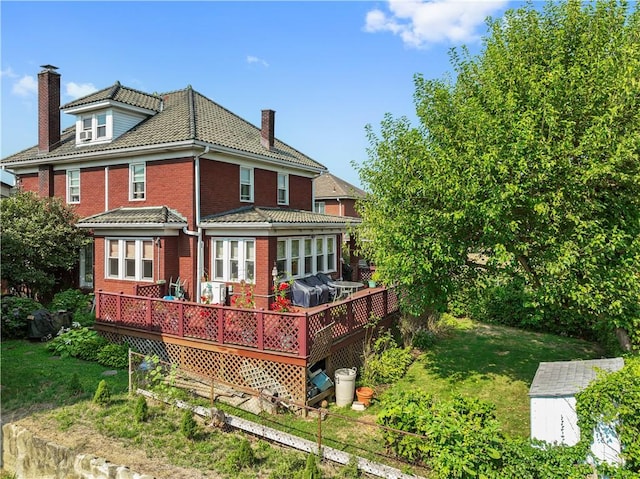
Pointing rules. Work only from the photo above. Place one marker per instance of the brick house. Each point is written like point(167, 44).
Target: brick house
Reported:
point(334, 196)
point(173, 185)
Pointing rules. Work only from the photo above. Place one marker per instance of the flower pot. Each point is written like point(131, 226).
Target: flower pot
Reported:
point(372, 284)
point(364, 395)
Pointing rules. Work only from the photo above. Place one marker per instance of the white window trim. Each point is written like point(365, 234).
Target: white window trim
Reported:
point(144, 181)
point(286, 188)
point(69, 186)
point(320, 207)
point(226, 260)
point(251, 184)
point(325, 267)
point(139, 242)
point(93, 116)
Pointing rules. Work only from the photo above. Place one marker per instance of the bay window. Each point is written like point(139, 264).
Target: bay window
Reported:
point(130, 259)
point(298, 257)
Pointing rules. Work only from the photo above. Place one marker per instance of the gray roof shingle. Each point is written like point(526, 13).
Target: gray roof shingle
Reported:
point(182, 116)
point(253, 214)
point(328, 186)
point(566, 378)
point(148, 216)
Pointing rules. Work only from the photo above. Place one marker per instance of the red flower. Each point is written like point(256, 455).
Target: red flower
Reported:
point(283, 286)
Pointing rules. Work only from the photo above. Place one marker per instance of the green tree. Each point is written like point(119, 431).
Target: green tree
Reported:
point(40, 242)
point(529, 157)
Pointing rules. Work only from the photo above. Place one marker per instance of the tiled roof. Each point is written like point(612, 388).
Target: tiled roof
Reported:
point(149, 216)
point(329, 186)
point(185, 116)
point(253, 214)
point(566, 378)
point(121, 94)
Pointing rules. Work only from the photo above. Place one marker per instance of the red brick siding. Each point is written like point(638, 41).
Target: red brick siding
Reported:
point(300, 197)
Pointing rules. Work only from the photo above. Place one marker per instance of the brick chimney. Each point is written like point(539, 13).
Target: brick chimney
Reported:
point(268, 128)
point(48, 108)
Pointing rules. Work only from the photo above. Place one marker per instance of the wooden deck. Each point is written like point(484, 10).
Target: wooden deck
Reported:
point(229, 344)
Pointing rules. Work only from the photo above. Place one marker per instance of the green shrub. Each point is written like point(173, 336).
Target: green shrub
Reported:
point(424, 339)
point(80, 343)
point(141, 410)
point(114, 355)
point(384, 361)
point(84, 318)
point(614, 398)
point(72, 300)
point(462, 439)
point(75, 387)
point(14, 316)
point(311, 471)
point(103, 394)
point(188, 425)
point(240, 457)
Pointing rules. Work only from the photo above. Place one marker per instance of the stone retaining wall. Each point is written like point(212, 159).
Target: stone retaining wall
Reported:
point(28, 456)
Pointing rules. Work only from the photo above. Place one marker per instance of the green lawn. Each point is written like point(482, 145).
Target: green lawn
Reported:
point(33, 379)
point(493, 363)
point(489, 362)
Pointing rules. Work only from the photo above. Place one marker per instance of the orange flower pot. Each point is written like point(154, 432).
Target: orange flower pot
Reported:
point(364, 395)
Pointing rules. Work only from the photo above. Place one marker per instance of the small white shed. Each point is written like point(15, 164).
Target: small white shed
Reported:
point(553, 405)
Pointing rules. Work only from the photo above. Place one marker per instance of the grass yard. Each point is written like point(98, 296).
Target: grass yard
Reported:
point(490, 362)
point(494, 363)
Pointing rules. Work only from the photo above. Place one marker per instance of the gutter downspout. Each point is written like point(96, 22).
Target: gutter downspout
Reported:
point(198, 232)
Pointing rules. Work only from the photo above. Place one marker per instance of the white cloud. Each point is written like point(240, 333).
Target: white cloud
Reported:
point(8, 72)
point(77, 90)
point(252, 59)
point(26, 86)
point(422, 22)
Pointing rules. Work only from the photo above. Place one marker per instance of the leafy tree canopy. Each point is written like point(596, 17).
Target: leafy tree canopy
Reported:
point(530, 157)
point(39, 241)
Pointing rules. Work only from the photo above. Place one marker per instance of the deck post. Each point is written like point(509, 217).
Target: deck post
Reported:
point(119, 307)
point(260, 331)
point(303, 332)
point(96, 300)
point(221, 312)
point(149, 313)
point(181, 319)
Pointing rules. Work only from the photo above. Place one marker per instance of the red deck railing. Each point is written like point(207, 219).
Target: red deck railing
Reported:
point(271, 331)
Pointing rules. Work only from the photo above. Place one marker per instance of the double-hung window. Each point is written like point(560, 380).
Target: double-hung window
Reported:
point(283, 189)
point(320, 207)
point(73, 186)
point(308, 256)
point(130, 259)
point(246, 184)
point(320, 256)
point(101, 125)
point(137, 173)
point(234, 259)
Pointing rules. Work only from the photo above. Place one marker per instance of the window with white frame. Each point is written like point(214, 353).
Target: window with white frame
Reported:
point(295, 257)
point(73, 186)
point(137, 181)
point(130, 259)
point(320, 207)
point(101, 125)
point(246, 184)
point(93, 127)
point(234, 259)
point(86, 266)
point(298, 257)
point(283, 189)
point(308, 256)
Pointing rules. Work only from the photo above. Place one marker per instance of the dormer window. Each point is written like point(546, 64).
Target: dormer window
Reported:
point(93, 127)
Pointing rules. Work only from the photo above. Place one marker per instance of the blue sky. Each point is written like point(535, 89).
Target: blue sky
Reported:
point(327, 68)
